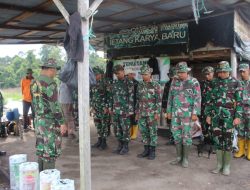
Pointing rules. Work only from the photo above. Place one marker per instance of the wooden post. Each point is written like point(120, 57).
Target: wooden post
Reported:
point(234, 63)
point(83, 104)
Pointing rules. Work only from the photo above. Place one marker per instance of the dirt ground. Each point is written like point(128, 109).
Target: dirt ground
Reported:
point(111, 172)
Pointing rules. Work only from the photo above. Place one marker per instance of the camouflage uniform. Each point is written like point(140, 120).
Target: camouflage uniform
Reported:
point(48, 118)
point(171, 74)
point(225, 105)
point(133, 122)
point(244, 127)
point(184, 101)
point(206, 88)
point(99, 97)
point(148, 105)
point(122, 105)
point(1, 105)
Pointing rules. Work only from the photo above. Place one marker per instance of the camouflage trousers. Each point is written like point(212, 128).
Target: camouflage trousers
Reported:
point(181, 130)
point(101, 122)
point(121, 126)
point(244, 127)
point(48, 139)
point(222, 132)
point(75, 108)
point(148, 128)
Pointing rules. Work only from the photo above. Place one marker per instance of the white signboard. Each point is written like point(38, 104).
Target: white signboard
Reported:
point(135, 65)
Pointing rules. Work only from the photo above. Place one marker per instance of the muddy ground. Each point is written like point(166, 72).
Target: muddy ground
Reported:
point(111, 172)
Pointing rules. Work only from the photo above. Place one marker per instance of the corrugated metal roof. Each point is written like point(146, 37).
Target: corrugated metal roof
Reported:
point(39, 21)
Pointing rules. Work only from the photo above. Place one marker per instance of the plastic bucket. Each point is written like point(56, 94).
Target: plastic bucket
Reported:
point(16, 113)
point(10, 115)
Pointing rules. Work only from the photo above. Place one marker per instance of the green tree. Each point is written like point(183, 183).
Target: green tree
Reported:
point(96, 60)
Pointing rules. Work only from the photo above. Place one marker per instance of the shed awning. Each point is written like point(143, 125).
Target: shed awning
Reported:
point(40, 22)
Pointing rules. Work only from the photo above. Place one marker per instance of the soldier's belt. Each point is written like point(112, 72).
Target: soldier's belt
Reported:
point(145, 100)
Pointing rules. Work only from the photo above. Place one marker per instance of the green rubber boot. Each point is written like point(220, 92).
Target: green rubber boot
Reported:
point(179, 155)
point(219, 154)
point(226, 164)
point(185, 150)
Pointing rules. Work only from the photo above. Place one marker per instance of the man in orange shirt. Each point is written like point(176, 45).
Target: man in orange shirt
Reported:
point(25, 86)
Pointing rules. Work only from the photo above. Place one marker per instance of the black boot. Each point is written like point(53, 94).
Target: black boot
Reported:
point(103, 145)
point(124, 149)
point(119, 148)
point(151, 155)
point(145, 153)
point(98, 143)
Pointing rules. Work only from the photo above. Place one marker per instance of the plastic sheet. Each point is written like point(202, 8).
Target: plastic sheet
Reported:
point(29, 176)
point(63, 184)
point(47, 177)
point(14, 162)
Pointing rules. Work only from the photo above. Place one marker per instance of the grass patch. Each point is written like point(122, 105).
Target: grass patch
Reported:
point(13, 94)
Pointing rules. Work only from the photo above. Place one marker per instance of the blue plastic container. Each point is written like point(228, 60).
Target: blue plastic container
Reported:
point(10, 115)
point(16, 114)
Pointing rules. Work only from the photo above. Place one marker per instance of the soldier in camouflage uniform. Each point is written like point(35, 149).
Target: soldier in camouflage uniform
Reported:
point(148, 111)
point(133, 123)
point(171, 75)
point(244, 127)
point(206, 88)
point(122, 107)
point(99, 97)
point(1, 106)
point(184, 104)
point(224, 111)
point(48, 116)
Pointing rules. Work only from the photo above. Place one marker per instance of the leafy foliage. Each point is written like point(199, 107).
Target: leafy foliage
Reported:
point(13, 69)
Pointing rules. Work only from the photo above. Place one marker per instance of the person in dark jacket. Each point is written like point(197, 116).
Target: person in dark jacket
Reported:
point(171, 75)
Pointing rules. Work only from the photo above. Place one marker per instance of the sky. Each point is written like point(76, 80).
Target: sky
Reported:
point(12, 50)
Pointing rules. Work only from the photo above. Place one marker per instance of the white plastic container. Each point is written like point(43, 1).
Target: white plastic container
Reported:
point(63, 184)
point(29, 176)
point(47, 177)
point(14, 162)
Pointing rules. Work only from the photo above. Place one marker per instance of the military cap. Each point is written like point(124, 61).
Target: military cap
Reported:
point(223, 66)
point(50, 63)
point(243, 67)
point(118, 68)
point(98, 70)
point(145, 69)
point(182, 67)
point(172, 72)
point(29, 71)
point(208, 69)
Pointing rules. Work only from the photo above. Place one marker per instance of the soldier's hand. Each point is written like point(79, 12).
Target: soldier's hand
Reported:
point(71, 108)
point(157, 117)
point(106, 110)
point(208, 120)
point(169, 116)
point(194, 117)
point(63, 129)
point(236, 121)
point(136, 117)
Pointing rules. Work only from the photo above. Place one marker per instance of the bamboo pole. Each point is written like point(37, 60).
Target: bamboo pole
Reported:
point(83, 104)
